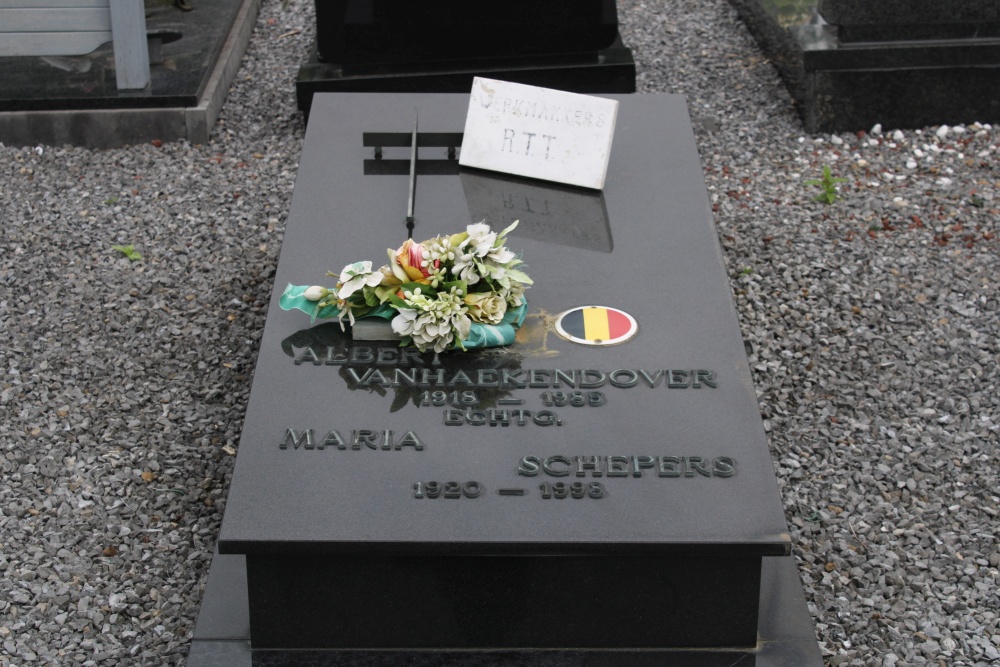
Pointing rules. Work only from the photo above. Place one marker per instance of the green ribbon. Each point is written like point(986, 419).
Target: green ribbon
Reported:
point(480, 335)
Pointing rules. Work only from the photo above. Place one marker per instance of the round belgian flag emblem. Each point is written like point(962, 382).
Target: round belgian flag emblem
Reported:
point(596, 325)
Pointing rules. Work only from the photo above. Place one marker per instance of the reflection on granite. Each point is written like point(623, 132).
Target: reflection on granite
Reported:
point(327, 345)
point(850, 64)
point(548, 212)
point(88, 81)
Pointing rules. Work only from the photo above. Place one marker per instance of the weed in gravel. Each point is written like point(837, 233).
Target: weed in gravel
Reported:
point(828, 183)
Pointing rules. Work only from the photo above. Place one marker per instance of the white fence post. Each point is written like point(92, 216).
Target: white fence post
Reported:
point(128, 33)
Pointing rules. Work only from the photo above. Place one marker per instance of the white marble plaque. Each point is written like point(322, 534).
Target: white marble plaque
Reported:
point(539, 133)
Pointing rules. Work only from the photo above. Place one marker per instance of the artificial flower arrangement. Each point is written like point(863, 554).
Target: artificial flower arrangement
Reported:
point(449, 292)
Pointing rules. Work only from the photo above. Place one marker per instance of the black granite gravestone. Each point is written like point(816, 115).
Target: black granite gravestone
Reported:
point(440, 45)
point(903, 63)
point(366, 32)
point(547, 503)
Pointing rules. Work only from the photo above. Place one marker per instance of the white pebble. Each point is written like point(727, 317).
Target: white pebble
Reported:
point(898, 136)
point(942, 131)
point(876, 129)
point(911, 164)
point(835, 140)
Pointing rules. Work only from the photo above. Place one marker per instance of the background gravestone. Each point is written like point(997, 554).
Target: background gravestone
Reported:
point(366, 32)
point(850, 64)
point(439, 45)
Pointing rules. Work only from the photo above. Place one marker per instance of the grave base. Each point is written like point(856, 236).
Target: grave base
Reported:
point(611, 70)
point(849, 77)
point(75, 100)
point(222, 636)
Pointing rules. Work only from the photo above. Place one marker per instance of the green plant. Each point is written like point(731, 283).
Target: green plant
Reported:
point(828, 183)
point(129, 251)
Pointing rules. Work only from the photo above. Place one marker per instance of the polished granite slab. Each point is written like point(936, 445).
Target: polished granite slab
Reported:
point(850, 64)
point(786, 637)
point(603, 510)
point(191, 43)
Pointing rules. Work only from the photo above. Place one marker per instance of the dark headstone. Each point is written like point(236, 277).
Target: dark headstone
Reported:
point(593, 505)
point(909, 12)
point(440, 45)
point(894, 20)
point(369, 32)
point(850, 64)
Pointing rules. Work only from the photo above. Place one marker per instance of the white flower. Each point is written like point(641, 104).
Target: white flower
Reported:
point(465, 266)
point(346, 308)
point(514, 295)
point(357, 276)
point(433, 322)
point(501, 255)
point(316, 293)
point(407, 321)
point(481, 239)
point(494, 272)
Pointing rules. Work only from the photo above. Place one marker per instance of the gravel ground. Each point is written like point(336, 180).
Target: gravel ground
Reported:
point(873, 324)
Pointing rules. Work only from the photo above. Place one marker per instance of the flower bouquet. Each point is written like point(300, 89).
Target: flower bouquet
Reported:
point(460, 291)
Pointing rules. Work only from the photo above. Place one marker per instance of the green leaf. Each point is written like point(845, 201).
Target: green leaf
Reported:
point(504, 233)
point(520, 276)
point(129, 251)
point(398, 303)
point(383, 292)
point(460, 284)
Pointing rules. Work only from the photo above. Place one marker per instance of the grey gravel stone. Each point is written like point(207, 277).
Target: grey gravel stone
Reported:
point(872, 325)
